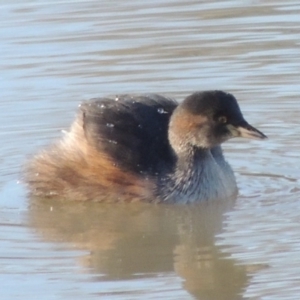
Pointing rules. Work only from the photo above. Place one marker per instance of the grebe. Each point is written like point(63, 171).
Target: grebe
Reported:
point(146, 147)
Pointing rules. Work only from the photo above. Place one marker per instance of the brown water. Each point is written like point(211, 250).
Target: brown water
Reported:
point(55, 54)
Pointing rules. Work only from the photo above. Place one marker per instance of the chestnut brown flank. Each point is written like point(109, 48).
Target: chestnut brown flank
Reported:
point(73, 169)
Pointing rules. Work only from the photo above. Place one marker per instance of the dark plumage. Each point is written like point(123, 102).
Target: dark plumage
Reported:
point(133, 130)
point(143, 148)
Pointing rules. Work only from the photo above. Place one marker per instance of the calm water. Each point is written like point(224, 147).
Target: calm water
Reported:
point(55, 54)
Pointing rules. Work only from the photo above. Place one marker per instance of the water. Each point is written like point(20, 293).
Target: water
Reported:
point(56, 54)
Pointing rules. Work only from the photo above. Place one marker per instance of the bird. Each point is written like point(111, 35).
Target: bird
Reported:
point(147, 148)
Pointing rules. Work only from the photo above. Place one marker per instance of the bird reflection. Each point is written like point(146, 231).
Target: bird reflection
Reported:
point(143, 240)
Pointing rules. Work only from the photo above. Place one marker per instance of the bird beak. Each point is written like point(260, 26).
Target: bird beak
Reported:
point(246, 131)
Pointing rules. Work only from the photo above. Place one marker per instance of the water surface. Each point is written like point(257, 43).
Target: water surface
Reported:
point(56, 54)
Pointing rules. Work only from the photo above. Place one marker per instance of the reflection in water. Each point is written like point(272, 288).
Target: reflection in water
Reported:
point(56, 53)
point(141, 241)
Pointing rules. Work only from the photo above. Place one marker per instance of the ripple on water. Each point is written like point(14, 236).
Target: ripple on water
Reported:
point(263, 231)
point(56, 53)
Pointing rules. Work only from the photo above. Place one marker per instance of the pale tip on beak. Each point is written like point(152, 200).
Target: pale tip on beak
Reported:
point(247, 131)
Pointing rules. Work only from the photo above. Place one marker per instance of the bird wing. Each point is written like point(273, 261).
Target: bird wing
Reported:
point(132, 130)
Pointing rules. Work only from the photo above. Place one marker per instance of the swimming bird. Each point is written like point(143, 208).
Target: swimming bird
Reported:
point(143, 148)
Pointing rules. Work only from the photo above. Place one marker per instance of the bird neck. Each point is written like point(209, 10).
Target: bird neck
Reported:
point(183, 183)
point(199, 174)
point(190, 167)
point(189, 160)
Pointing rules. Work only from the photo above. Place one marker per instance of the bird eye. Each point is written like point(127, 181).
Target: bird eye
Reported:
point(222, 119)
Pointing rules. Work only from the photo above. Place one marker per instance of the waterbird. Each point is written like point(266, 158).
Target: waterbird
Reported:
point(143, 148)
